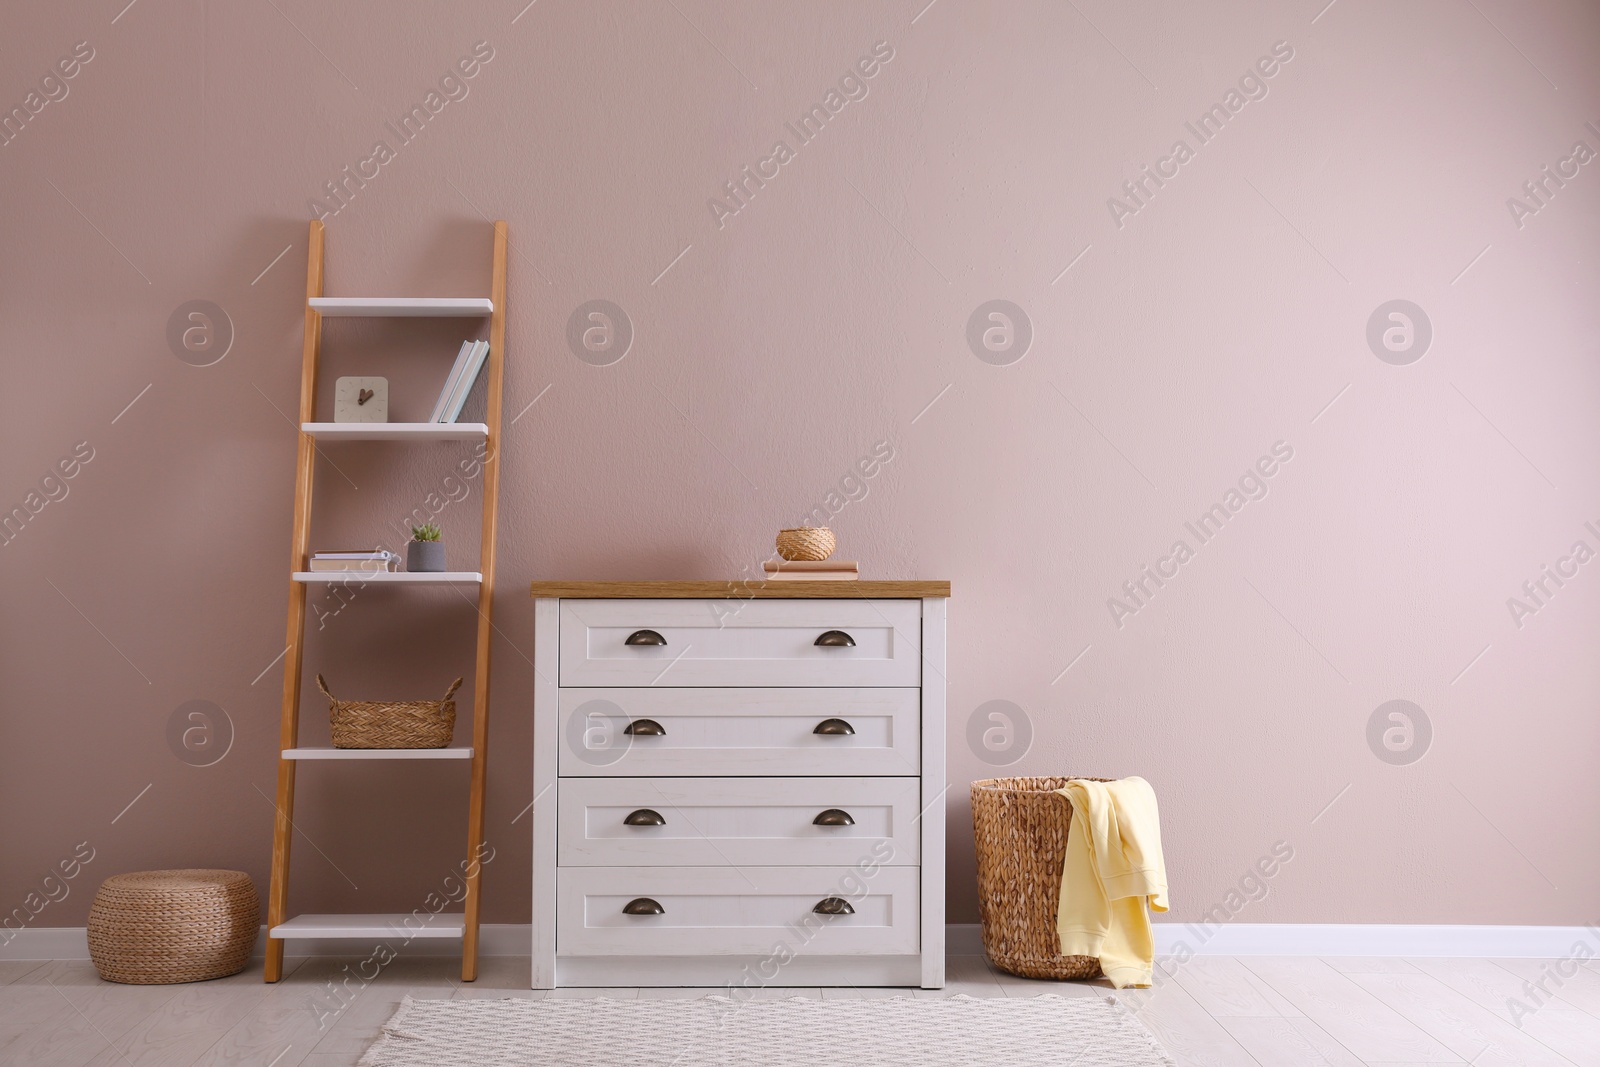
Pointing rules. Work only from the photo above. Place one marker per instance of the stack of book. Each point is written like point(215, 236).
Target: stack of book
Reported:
point(798, 570)
point(365, 559)
point(469, 361)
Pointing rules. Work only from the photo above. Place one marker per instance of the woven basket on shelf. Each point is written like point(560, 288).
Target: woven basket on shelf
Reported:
point(812, 543)
point(391, 724)
point(160, 927)
point(1020, 827)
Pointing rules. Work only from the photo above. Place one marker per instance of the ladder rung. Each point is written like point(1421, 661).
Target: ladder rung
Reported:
point(398, 924)
point(396, 431)
point(392, 577)
point(378, 753)
point(402, 306)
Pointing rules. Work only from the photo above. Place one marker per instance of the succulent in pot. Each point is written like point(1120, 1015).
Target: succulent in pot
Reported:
point(425, 552)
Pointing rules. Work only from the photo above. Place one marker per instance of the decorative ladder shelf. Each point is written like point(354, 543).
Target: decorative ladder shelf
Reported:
point(280, 927)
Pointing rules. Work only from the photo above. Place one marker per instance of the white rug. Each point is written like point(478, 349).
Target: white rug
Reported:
point(946, 1032)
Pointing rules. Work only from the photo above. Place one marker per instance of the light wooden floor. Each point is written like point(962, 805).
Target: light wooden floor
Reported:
point(1256, 1011)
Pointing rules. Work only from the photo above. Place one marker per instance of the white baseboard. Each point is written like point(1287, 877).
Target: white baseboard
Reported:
point(1343, 939)
point(1374, 939)
point(45, 943)
point(1172, 939)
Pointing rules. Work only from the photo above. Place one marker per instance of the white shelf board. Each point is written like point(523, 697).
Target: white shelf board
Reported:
point(378, 753)
point(392, 577)
point(405, 307)
point(399, 924)
point(396, 431)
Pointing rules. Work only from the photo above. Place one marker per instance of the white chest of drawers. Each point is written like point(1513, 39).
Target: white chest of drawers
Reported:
point(739, 785)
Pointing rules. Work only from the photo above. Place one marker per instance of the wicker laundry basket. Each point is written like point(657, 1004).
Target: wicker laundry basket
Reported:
point(1020, 827)
point(161, 927)
point(391, 724)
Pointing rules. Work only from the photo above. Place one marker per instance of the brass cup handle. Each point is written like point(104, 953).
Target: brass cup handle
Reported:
point(645, 728)
point(835, 639)
point(833, 726)
point(830, 906)
point(646, 906)
point(644, 817)
point(645, 637)
point(833, 817)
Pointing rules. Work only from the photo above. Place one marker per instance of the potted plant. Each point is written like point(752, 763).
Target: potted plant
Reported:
point(425, 552)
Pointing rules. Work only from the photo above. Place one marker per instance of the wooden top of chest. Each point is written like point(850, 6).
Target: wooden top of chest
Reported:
point(737, 589)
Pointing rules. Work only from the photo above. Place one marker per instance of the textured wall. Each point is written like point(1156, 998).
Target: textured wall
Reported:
point(1210, 324)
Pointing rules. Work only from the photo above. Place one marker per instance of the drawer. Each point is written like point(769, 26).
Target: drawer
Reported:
point(705, 732)
point(726, 910)
point(712, 822)
point(740, 642)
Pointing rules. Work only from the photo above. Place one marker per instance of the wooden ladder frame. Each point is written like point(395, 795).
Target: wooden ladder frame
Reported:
point(305, 465)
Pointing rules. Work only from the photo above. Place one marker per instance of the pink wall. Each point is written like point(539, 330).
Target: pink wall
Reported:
point(1188, 338)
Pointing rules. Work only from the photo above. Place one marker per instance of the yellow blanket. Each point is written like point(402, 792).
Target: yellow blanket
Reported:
point(1113, 866)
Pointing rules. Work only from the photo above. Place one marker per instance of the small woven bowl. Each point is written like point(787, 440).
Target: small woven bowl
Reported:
point(813, 543)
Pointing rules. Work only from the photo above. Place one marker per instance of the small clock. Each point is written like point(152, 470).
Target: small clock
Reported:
point(361, 400)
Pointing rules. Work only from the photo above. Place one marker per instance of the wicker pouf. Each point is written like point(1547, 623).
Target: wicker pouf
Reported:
point(1020, 827)
point(160, 927)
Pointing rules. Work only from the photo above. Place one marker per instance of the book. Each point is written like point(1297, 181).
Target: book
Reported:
point(810, 565)
point(464, 383)
point(355, 559)
point(805, 570)
point(813, 576)
point(450, 381)
point(369, 566)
